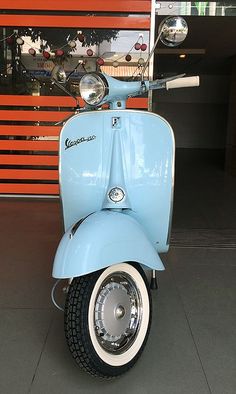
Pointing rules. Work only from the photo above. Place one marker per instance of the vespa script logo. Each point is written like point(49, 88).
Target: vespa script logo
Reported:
point(69, 143)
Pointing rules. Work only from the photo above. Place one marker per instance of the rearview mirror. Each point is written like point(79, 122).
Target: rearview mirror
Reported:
point(58, 74)
point(173, 31)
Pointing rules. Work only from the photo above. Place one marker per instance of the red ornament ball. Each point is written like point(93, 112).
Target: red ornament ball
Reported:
point(89, 52)
point(143, 47)
point(10, 40)
point(46, 55)
point(32, 51)
point(128, 58)
point(100, 61)
point(81, 37)
point(59, 52)
point(137, 46)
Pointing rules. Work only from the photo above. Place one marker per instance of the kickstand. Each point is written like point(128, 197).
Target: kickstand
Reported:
point(153, 284)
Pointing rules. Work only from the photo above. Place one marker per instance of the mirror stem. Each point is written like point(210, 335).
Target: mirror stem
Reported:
point(68, 76)
point(150, 54)
point(66, 91)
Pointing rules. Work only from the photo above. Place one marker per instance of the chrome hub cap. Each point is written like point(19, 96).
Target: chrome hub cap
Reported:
point(118, 313)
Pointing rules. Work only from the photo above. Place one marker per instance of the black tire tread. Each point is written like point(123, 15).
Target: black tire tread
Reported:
point(77, 332)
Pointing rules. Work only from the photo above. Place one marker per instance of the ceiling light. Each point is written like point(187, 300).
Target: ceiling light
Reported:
point(182, 56)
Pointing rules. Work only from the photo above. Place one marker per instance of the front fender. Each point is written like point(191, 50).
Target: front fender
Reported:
point(103, 239)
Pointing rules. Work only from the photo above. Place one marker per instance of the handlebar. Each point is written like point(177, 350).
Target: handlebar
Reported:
point(174, 82)
point(123, 90)
point(186, 82)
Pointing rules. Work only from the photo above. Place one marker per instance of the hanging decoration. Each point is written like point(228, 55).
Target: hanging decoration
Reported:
point(59, 52)
point(141, 61)
point(81, 37)
point(143, 47)
point(72, 44)
point(46, 55)
point(137, 46)
point(128, 58)
point(58, 55)
point(20, 41)
point(32, 51)
point(100, 61)
point(89, 52)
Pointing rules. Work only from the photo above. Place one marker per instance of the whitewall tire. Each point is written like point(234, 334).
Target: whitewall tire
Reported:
point(107, 319)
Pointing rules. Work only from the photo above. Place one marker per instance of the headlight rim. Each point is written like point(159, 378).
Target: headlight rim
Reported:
point(105, 83)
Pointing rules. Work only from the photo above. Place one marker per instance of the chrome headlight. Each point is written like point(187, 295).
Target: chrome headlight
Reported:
point(93, 88)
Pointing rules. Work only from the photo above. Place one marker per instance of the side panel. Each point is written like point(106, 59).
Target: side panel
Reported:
point(147, 146)
point(148, 151)
point(85, 156)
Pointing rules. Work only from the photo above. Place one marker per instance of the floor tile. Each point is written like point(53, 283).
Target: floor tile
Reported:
point(25, 284)
point(169, 364)
point(206, 288)
point(200, 256)
point(29, 236)
point(23, 333)
point(204, 238)
point(215, 338)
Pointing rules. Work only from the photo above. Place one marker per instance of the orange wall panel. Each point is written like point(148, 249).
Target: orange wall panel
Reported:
point(33, 160)
point(41, 101)
point(20, 188)
point(97, 22)
point(30, 130)
point(75, 5)
point(33, 116)
point(29, 145)
point(29, 174)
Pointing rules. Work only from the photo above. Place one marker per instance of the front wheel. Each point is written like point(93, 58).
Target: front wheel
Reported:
point(107, 319)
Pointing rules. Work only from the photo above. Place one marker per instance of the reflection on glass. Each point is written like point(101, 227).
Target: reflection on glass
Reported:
point(26, 68)
point(197, 8)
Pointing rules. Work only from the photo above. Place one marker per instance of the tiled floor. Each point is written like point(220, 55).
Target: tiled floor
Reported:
point(192, 345)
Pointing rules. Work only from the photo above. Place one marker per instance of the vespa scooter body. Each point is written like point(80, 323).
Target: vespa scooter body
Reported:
point(116, 180)
point(100, 150)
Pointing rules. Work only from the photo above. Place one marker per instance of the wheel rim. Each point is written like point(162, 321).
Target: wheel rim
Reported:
point(117, 313)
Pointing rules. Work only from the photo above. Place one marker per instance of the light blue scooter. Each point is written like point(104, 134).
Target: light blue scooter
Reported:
point(116, 183)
